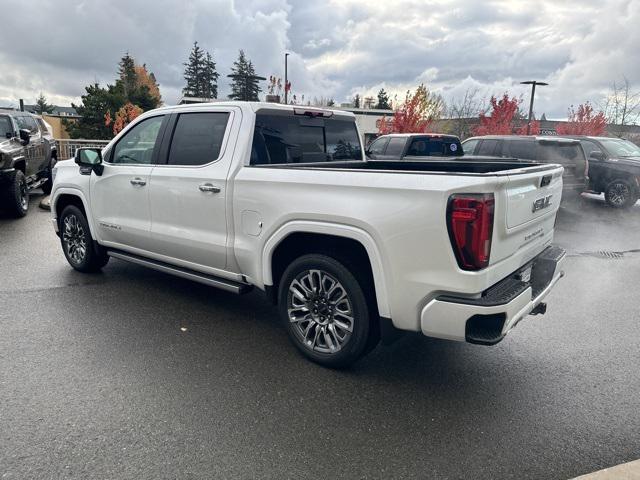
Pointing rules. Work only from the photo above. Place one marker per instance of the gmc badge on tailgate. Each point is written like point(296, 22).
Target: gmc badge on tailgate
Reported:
point(541, 203)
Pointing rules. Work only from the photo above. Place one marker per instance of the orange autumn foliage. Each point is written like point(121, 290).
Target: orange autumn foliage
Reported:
point(124, 116)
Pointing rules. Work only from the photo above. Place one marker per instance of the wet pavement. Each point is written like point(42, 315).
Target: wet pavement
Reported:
point(131, 373)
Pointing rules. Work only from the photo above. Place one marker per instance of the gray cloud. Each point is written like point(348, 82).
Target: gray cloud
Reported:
point(338, 47)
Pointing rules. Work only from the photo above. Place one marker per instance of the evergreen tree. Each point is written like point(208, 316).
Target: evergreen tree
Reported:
point(200, 74)
point(244, 85)
point(356, 101)
point(127, 74)
point(42, 106)
point(96, 102)
point(383, 100)
point(194, 72)
point(210, 78)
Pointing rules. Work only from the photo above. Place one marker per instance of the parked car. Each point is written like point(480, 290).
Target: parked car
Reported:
point(401, 146)
point(614, 169)
point(239, 195)
point(27, 154)
point(544, 149)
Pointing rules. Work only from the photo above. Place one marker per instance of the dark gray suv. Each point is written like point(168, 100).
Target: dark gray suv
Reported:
point(544, 149)
point(27, 155)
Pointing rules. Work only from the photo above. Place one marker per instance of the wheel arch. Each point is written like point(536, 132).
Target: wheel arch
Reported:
point(297, 238)
point(21, 165)
point(67, 196)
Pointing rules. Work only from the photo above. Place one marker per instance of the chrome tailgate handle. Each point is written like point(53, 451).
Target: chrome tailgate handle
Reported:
point(138, 182)
point(207, 187)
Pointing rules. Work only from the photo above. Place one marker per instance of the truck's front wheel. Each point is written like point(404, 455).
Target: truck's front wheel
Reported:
point(325, 310)
point(77, 243)
point(16, 196)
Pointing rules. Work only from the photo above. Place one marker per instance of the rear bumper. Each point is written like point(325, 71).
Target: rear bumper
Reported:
point(487, 318)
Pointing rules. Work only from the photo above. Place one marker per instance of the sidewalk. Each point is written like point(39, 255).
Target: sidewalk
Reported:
point(625, 471)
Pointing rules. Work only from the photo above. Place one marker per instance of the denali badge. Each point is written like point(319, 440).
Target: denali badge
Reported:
point(541, 203)
point(110, 225)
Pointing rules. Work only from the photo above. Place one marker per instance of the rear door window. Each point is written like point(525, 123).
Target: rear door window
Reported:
point(284, 138)
point(487, 147)
point(524, 149)
point(569, 155)
point(395, 146)
point(197, 138)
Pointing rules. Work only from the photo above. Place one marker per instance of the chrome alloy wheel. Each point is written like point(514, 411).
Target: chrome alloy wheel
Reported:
point(74, 239)
point(321, 311)
point(619, 193)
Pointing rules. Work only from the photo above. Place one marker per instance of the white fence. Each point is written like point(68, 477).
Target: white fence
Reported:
point(67, 147)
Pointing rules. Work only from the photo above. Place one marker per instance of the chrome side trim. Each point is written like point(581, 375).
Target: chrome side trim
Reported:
point(223, 284)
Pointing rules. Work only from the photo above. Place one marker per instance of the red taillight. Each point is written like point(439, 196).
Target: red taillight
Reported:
point(470, 223)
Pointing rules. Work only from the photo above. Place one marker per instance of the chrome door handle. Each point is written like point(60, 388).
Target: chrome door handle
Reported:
point(207, 187)
point(138, 182)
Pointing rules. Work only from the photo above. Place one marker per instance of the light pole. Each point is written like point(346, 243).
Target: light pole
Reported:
point(286, 55)
point(533, 84)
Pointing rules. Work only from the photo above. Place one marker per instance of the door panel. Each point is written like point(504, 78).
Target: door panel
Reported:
point(188, 195)
point(121, 208)
point(120, 196)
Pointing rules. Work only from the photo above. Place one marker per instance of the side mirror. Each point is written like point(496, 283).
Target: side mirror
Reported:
point(597, 155)
point(90, 158)
point(9, 135)
point(25, 136)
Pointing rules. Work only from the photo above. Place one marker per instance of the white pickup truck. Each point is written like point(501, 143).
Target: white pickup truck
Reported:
point(239, 195)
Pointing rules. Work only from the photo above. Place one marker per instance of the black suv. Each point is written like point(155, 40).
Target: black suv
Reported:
point(27, 155)
point(614, 168)
point(565, 151)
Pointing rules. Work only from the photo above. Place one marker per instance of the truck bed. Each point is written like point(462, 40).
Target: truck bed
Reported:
point(457, 166)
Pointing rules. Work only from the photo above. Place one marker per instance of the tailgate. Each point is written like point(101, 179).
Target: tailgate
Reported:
point(532, 195)
point(526, 207)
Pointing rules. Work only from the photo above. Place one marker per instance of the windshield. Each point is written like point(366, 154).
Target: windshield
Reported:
point(620, 148)
point(5, 127)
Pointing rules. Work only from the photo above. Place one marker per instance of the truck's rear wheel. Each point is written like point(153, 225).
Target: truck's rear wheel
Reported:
point(325, 310)
point(620, 194)
point(77, 243)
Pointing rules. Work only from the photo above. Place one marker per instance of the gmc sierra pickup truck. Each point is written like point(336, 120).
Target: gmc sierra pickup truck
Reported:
point(239, 195)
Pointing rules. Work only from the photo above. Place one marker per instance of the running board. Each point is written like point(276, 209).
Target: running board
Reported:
point(221, 283)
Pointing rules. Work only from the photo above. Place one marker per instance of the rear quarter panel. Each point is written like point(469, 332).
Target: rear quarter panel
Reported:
point(403, 213)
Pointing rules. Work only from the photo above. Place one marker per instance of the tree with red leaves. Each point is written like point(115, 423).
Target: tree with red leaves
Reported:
point(415, 115)
point(503, 117)
point(124, 116)
point(583, 121)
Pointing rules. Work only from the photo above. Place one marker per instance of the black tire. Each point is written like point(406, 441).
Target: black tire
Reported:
point(327, 321)
point(77, 244)
point(16, 195)
point(620, 194)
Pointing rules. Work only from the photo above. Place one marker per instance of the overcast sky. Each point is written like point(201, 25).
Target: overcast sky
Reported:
point(338, 48)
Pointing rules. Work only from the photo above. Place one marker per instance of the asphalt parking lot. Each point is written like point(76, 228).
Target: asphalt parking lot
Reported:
point(135, 374)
